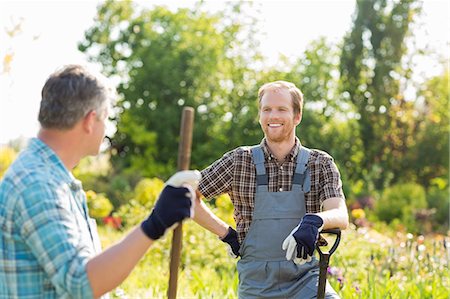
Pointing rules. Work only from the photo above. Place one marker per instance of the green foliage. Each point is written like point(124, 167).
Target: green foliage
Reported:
point(354, 103)
point(372, 70)
point(98, 204)
point(167, 60)
point(132, 213)
point(389, 264)
point(430, 155)
point(118, 188)
point(95, 166)
point(145, 193)
point(401, 202)
point(7, 156)
point(367, 264)
point(438, 200)
point(223, 208)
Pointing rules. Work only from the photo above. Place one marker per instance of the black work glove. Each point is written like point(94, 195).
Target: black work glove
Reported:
point(173, 205)
point(307, 235)
point(303, 238)
point(231, 240)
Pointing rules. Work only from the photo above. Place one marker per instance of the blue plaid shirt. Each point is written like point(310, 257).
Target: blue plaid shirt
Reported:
point(46, 238)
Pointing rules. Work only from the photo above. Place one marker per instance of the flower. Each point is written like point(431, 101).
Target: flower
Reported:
point(334, 271)
point(420, 239)
point(358, 214)
point(114, 222)
point(357, 288)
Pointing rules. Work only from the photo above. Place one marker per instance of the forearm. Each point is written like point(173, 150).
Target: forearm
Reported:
point(108, 269)
point(206, 218)
point(334, 214)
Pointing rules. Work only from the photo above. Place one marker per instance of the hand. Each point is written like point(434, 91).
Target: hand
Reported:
point(232, 241)
point(187, 178)
point(173, 205)
point(301, 242)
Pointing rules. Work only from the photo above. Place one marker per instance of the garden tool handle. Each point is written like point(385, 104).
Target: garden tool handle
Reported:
point(333, 231)
point(325, 259)
point(184, 159)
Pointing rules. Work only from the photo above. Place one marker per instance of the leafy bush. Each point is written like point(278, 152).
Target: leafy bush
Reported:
point(145, 194)
point(147, 191)
point(132, 213)
point(438, 199)
point(401, 202)
point(7, 156)
point(98, 204)
point(119, 189)
point(223, 208)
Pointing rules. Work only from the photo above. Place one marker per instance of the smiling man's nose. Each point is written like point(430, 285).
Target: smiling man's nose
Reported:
point(274, 114)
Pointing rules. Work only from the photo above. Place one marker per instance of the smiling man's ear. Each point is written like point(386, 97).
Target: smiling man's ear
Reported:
point(298, 119)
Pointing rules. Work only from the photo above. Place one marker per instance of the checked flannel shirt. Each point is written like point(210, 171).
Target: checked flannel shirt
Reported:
point(235, 174)
point(45, 236)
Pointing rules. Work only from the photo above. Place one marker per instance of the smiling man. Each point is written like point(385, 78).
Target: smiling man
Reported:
point(283, 195)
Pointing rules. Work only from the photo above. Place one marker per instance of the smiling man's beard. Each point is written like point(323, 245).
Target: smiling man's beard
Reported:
point(283, 134)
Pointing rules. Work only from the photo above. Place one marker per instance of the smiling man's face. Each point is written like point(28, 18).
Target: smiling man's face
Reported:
point(276, 115)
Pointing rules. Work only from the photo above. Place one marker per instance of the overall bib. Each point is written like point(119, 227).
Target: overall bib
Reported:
point(263, 269)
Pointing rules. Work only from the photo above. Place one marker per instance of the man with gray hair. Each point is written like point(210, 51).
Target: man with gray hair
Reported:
point(49, 246)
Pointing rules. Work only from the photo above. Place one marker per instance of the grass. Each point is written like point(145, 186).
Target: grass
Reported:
point(367, 264)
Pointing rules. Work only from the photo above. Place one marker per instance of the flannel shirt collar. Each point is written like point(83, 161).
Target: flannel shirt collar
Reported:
point(38, 146)
point(268, 156)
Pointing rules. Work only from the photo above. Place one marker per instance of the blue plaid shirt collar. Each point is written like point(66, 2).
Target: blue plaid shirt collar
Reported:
point(49, 156)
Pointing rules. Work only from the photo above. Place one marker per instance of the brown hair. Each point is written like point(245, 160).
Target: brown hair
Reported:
point(296, 94)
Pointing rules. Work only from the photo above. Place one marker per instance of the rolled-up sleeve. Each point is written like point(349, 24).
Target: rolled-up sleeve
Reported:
point(51, 232)
point(218, 177)
point(330, 180)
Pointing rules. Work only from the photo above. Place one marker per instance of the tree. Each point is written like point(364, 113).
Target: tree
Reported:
point(372, 72)
point(431, 151)
point(166, 60)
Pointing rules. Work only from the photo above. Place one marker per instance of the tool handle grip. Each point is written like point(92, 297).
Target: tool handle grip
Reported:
point(325, 259)
point(333, 231)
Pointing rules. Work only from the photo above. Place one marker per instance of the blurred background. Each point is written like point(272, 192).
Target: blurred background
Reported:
point(375, 77)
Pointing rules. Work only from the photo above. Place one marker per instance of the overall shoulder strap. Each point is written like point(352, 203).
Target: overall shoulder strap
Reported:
point(258, 160)
point(302, 166)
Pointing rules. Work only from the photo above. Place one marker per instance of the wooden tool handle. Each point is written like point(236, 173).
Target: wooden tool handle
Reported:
point(184, 159)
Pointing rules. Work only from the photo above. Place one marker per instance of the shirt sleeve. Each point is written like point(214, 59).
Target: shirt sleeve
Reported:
point(218, 177)
point(50, 230)
point(331, 184)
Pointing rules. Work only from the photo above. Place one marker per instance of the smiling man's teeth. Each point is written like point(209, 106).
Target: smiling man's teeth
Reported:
point(274, 125)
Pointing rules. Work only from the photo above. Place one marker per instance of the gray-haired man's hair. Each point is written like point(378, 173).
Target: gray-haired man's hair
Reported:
point(69, 94)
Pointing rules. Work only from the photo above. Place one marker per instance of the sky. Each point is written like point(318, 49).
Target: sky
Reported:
point(50, 31)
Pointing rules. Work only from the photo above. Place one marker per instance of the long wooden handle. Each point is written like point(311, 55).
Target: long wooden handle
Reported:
point(184, 159)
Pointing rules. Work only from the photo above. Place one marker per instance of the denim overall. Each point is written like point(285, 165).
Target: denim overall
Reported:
point(263, 269)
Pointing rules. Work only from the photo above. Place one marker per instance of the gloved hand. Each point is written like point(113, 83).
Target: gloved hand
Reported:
point(232, 241)
point(301, 242)
point(186, 178)
point(173, 205)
